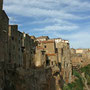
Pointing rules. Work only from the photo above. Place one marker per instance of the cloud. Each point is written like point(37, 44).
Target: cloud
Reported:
point(53, 17)
point(50, 8)
point(77, 40)
point(58, 27)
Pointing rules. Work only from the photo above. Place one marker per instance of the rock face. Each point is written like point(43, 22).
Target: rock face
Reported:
point(66, 64)
point(35, 79)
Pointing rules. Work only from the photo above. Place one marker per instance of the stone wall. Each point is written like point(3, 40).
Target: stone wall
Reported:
point(81, 60)
point(35, 79)
point(13, 44)
point(28, 48)
point(66, 64)
point(3, 42)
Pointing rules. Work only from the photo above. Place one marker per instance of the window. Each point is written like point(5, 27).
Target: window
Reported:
point(56, 50)
point(45, 46)
point(52, 63)
point(43, 52)
point(12, 38)
point(62, 51)
point(47, 62)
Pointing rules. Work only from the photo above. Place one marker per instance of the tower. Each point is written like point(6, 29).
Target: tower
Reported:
point(1, 4)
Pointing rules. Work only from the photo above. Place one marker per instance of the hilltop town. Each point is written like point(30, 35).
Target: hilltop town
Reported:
point(36, 63)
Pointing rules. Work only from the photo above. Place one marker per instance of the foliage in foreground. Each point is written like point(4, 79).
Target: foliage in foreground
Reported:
point(86, 70)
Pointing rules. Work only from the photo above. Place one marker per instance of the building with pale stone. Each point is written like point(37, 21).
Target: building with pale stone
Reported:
point(58, 54)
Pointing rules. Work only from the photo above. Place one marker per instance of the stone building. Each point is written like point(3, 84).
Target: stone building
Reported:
point(3, 33)
point(52, 59)
point(58, 54)
point(42, 38)
point(40, 57)
point(21, 48)
point(3, 42)
point(79, 50)
point(64, 58)
point(28, 48)
point(50, 52)
point(49, 46)
point(13, 45)
point(80, 59)
point(20, 53)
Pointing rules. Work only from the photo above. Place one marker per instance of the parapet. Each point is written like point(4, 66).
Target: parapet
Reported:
point(13, 27)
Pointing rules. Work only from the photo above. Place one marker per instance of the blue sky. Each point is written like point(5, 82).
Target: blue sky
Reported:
point(67, 19)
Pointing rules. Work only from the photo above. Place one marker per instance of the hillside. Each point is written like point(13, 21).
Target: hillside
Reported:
point(82, 81)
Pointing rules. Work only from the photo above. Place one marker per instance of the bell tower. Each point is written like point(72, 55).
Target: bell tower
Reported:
point(1, 4)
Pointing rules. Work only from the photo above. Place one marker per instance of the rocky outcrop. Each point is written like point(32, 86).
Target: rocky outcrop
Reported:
point(33, 79)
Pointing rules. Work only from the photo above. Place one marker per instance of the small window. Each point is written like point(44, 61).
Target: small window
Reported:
point(45, 46)
point(62, 51)
point(47, 62)
point(52, 63)
point(12, 38)
point(43, 52)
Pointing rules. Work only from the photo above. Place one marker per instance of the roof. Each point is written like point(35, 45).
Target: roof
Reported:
point(41, 37)
point(57, 38)
point(79, 49)
point(38, 47)
point(46, 41)
point(53, 54)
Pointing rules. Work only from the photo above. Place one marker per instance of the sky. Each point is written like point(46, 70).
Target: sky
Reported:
point(66, 19)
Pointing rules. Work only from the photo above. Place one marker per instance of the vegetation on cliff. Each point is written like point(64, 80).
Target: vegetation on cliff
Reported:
point(82, 80)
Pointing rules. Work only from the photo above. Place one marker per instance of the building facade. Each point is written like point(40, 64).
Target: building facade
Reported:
point(4, 21)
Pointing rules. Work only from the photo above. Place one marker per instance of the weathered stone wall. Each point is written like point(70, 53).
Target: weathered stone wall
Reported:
point(13, 44)
point(53, 58)
point(81, 60)
point(49, 46)
point(35, 79)
point(66, 64)
point(28, 47)
point(40, 58)
point(3, 42)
